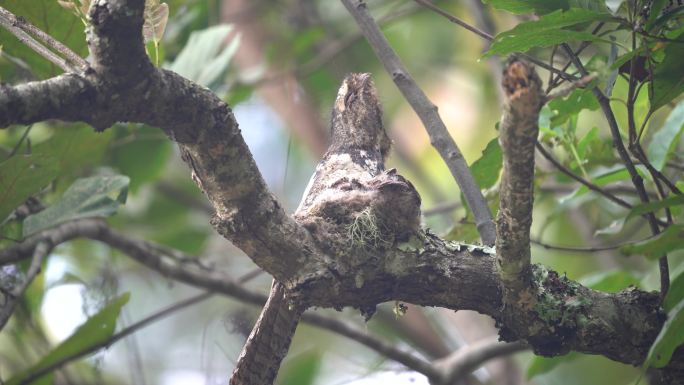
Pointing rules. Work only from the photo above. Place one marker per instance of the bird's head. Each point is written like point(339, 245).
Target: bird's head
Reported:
point(357, 116)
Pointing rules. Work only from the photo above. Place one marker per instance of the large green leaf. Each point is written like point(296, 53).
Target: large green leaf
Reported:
point(22, 176)
point(546, 31)
point(75, 147)
point(578, 100)
point(668, 77)
point(486, 169)
point(49, 16)
point(96, 196)
point(205, 57)
point(143, 157)
point(669, 240)
point(665, 141)
point(96, 330)
point(669, 338)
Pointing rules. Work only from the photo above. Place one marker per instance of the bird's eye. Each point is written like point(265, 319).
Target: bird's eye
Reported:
point(349, 98)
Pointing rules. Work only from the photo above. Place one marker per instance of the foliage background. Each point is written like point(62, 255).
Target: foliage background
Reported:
point(291, 84)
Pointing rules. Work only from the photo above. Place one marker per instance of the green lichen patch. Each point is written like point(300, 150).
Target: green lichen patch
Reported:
point(558, 301)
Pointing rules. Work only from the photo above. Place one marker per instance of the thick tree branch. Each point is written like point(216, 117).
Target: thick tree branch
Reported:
point(427, 112)
point(556, 316)
point(124, 86)
point(170, 264)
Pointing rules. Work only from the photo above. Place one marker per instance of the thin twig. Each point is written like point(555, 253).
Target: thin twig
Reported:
point(386, 349)
point(637, 180)
point(489, 37)
point(151, 256)
point(8, 21)
point(21, 140)
point(13, 295)
point(579, 179)
point(467, 359)
point(571, 86)
point(427, 112)
point(48, 40)
point(117, 336)
point(584, 249)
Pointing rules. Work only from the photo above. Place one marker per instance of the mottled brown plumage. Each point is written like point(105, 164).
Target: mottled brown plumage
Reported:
point(351, 178)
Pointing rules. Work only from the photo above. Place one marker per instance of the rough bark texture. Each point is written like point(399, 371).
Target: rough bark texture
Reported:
point(269, 341)
point(358, 243)
point(518, 136)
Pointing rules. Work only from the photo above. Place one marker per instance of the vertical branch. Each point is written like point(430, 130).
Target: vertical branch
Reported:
point(518, 136)
point(427, 112)
point(269, 341)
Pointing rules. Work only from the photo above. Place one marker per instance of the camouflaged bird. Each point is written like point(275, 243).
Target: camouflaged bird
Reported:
point(351, 182)
point(352, 206)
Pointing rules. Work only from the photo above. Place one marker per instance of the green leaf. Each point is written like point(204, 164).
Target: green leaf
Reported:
point(97, 196)
point(486, 169)
point(301, 369)
point(539, 7)
point(546, 31)
point(644, 208)
point(144, 158)
point(610, 281)
point(606, 177)
point(578, 100)
point(96, 330)
point(540, 365)
point(586, 142)
point(676, 292)
point(22, 176)
point(670, 239)
point(49, 16)
point(204, 58)
point(669, 338)
point(665, 141)
point(75, 147)
point(668, 77)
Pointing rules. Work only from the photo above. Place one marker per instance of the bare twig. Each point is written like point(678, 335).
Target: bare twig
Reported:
point(583, 249)
point(427, 112)
point(471, 357)
point(637, 180)
point(13, 295)
point(386, 349)
point(565, 91)
point(116, 337)
point(27, 33)
point(489, 37)
point(149, 254)
point(589, 185)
